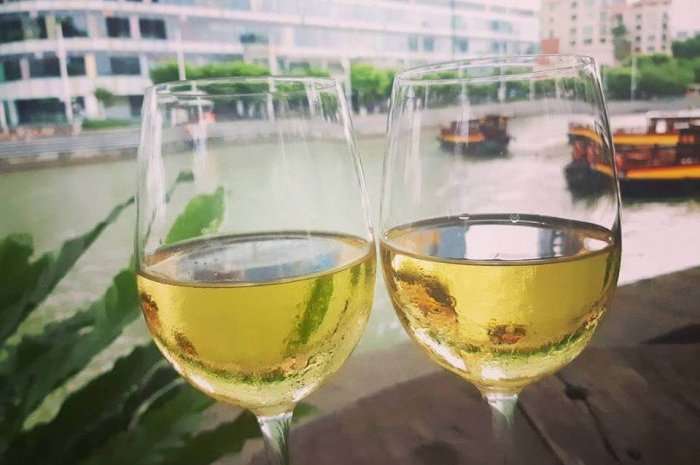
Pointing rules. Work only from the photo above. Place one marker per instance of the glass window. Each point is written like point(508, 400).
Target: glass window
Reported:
point(462, 45)
point(11, 28)
point(152, 28)
point(428, 44)
point(10, 70)
point(73, 24)
point(76, 65)
point(413, 43)
point(108, 65)
point(42, 110)
point(43, 67)
point(117, 27)
point(15, 27)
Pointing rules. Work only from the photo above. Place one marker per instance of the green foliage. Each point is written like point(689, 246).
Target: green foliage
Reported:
point(693, 65)
point(139, 411)
point(370, 85)
point(30, 283)
point(202, 215)
point(168, 72)
point(622, 47)
point(663, 80)
point(310, 72)
point(618, 82)
point(106, 97)
point(688, 49)
point(315, 311)
point(108, 123)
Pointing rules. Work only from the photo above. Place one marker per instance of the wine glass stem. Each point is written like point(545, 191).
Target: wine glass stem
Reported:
point(502, 407)
point(275, 429)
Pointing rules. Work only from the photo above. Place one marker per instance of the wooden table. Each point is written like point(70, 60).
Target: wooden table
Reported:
point(632, 398)
point(611, 406)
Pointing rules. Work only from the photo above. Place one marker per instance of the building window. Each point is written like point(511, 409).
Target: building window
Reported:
point(16, 27)
point(428, 44)
point(588, 41)
point(117, 65)
point(118, 27)
point(41, 110)
point(639, 18)
point(11, 28)
point(76, 65)
point(574, 4)
point(461, 45)
point(638, 39)
point(44, 67)
point(10, 70)
point(413, 43)
point(152, 28)
point(573, 17)
point(651, 49)
point(72, 24)
point(572, 43)
point(603, 40)
point(135, 104)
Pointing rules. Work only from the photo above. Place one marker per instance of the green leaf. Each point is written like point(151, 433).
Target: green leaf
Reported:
point(315, 311)
point(26, 284)
point(203, 214)
point(167, 424)
point(227, 438)
point(41, 363)
point(89, 416)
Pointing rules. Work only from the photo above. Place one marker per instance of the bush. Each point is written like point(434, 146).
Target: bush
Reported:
point(618, 83)
point(666, 80)
point(109, 123)
point(688, 49)
point(106, 97)
point(169, 71)
point(370, 85)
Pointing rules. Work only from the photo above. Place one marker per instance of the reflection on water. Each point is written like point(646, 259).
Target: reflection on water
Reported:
point(659, 235)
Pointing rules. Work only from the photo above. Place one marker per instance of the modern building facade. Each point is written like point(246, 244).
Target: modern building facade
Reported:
point(55, 54)
point(589, 26)
point(579, 26)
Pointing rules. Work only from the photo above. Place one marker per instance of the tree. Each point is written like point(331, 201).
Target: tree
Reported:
point(105, 97)
point(370, 85)
point(689, 48)
point(618, 82)
point(666, 80)
point(622, 47)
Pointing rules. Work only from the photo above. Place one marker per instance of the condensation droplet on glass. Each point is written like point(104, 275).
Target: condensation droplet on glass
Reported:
point(514, 217)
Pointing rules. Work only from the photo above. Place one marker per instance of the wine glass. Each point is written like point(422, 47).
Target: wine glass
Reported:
point(255, 279)
point(500, 246)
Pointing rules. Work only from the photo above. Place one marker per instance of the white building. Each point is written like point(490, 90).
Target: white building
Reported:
point(586, 26)
point(648, 26)
point(685, 19)
point(579, 26)
point(114, 44)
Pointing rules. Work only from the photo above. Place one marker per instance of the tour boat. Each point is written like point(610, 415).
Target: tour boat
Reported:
point(664, 155)
point(485, 135)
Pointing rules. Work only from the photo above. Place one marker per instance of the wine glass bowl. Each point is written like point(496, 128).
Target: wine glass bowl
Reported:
point(256, 278)
point(497, 266)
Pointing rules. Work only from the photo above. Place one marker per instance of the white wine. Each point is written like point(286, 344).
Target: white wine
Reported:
point(259, 320)
point(501, 300)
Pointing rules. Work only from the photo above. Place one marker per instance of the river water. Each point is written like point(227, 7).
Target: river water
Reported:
point(53, 204)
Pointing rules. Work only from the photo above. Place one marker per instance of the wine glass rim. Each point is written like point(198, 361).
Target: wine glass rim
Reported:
point(562, 62)
point(165, 89)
